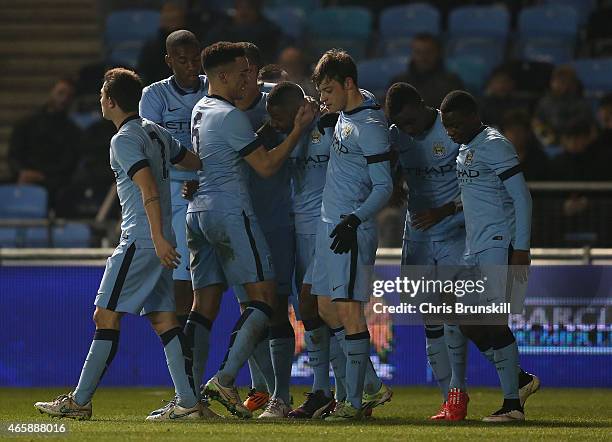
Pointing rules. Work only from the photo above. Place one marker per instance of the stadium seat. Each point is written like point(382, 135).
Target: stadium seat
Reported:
point(72, 235)
point(221, 5)
point(289, 19)
point(583, 8)
point(472, 70)
point(23, 201)
point(126, 54)
point(485, 48)
point(376, 74)
point(395, 47)
point(136, 25)
point(305, 5)
point(492, 22)
point(595, 74)
point(342, 27)
point(36, 237)
point(8, 237)
point(549, 51)
point(397, 25)
point(551, 21)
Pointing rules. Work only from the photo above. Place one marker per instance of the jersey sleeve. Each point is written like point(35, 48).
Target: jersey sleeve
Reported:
point(176, 149)
point(239, 134)
point(374, 143)
point(128, 153)
point(151, 106)
point(501, 157)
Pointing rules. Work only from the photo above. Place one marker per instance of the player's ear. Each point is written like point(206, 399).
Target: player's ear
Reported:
point(167, 59)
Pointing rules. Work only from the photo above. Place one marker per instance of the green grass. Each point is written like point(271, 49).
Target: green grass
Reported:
point(553, 414)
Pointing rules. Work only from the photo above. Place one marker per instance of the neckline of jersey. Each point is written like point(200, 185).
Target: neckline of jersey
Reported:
point(361, 108)
point(182, 91)
point(128, 119)
point(219, 97)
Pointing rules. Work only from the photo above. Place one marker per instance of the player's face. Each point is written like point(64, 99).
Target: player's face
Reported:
point(458, 126)
point(333, 95)
point(281, 118)
point(410, 120)
point(185, 64)
point(106, 104)
point(237, 77)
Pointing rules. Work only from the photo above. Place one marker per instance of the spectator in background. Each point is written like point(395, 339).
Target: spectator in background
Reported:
point(151, 64)
point(500, 97)
point(293, 60)
point(249, 24)
point(562, 104)
point(43, 148)
point(272, 73)
point(516, 126)
point(578, 161)
point(603, 143)
point(426, 71)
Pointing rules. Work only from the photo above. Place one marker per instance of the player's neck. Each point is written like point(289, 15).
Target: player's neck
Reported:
point(120, 118)
point(220, 92)
point(354, 100)
point(249, 98)
point(474, 133)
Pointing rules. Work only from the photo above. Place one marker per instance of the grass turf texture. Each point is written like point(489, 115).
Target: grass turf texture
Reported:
point(553, 414)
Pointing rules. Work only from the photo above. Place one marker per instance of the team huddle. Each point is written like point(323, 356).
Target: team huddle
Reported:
point(227, 182)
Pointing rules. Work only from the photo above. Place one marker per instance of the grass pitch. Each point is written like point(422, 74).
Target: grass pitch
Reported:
point(553, 414)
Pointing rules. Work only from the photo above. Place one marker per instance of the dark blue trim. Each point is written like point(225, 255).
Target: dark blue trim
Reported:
point(251, 147)
point(179, 157)
point(179, 90)
point(361, 108)
point(128, 119)
point(123, 270)
point(510, 172)
point(136, 167)
point(219, 97)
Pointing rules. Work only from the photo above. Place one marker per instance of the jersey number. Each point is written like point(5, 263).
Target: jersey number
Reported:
point(162, 147)
point(195, 132)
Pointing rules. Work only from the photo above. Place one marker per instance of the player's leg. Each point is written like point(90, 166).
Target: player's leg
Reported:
point(183, 292)
point(244, 257)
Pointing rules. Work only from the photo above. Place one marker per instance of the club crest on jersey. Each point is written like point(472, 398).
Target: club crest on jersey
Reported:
point(315, 137)
point(346, 130)
point(438, 149)
point(469, 157)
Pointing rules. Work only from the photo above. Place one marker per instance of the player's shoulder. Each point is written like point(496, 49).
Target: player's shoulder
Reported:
point(157, 88)
point(493, 139)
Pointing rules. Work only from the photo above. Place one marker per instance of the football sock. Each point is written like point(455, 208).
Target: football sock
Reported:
point(506, 364)
point(101, 353)
point(182, 319)
point(317, 337)
point(197, 332)
point(338, 363)
point(437, 356)
point(282, 347)
point(178, 358)
point(260, 366)
point(243, 340)
point(357, 348)
point(456, 345)
point(372, 382)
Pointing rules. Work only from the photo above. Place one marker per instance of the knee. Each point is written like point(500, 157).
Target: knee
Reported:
point(308, 305)
point(106, 319)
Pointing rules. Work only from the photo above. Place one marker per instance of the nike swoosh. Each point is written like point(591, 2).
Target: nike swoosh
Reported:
point(337, 287)
point(432, 354)
point(173, 415)
point(172, 110)
point(454, 348)
point(492, 299)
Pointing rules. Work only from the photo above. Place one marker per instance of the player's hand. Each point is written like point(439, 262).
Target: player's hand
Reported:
point(345, 234)
point(304, 117)
point(519, 264)
point(428, 218)
point(166, 253)
point(189, 188)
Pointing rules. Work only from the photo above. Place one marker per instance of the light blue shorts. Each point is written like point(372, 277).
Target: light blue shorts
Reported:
point(179, 225)
point(491, 266)
point(282, 247)
point(228, 249)
point(447, 252)
point(305, 245)
point(346, 276)
point(135, 281)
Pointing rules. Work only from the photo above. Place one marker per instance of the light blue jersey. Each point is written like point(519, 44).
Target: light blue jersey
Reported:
point(429, 166)
point(170, 106)
point(271, 196)
point(141, 143)
point(496, 201)
point(222, 135)
point(308, 165)
point(358, 175)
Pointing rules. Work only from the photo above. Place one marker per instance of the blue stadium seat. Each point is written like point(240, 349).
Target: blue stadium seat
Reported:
point(343, 27)
point(549, 51)
point(595, 74)
point(289, 19)
point(126, 54)
point(375, 74)
point(485, 48)
point(221, 5)
point(36, 237)
point(479, 21)
point(23, 201)
point(304, 5)
point(548, 21)
point(76, 235)
point(583, 8)
point(397, 25)
point(8, 237)
point(130, 25)
point(396, 47)
point(472, 70)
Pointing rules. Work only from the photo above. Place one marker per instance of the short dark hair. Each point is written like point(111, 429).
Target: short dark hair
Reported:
point(124, 87)
point(271, 72)
point(220, 53)
point(252, 53)
point(285, 94)
point(181, 38)
point(335, 64)
point(459, 101)
point(400, 95)
point(606, 100)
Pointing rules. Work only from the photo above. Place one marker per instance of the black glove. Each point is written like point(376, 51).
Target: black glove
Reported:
point(345, 234)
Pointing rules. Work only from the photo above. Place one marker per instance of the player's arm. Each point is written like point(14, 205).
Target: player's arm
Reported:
point(145, 181)
point(151, 106)
point(399, 196)
point(267, 162)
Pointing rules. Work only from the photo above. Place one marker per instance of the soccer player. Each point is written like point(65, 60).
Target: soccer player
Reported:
point(137, 278)
point(434, 232)
point(308, 166)
point(225, 238)
point(497, 210)
point(358, 184)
